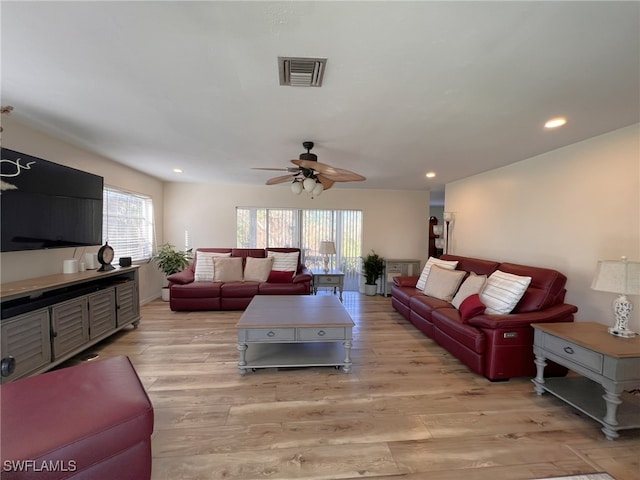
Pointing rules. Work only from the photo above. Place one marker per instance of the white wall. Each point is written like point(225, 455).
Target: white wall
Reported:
point(565, 209)
point(395, 223)
point(36, 263)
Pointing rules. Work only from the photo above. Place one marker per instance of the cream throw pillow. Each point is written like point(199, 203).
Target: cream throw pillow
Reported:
point(503, 291)
point(227, 269)
point(204, 265)
point(472, 285)
point(448, 264)
point(443, 283)
point(257, 269)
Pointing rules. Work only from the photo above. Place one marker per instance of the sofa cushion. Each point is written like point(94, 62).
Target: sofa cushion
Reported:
point(422, 281)
point(204, 265)
point(276, 276)
point(196, 290)
point(473, 284)
point(443, 283)
point(227, 269)
point(503, 291)
point(424, 305)
point(469, 264)
point(284, 261)
point(257, 269)
point(471, 307)
point(449, 321)
point(239, 289)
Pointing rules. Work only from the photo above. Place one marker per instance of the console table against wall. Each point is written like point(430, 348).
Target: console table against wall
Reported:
point(47, 320)
point(398, 268)
point(609, 367)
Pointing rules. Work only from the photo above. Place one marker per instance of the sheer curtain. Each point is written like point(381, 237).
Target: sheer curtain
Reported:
point(259, 227)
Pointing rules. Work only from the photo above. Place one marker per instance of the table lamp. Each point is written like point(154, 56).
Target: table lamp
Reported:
point(621, 277)
point(327, 248)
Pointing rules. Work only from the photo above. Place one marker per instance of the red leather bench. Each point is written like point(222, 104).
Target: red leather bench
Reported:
point(90, 421)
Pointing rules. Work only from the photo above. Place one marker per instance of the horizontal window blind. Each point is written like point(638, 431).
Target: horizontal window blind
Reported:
point(127, 224)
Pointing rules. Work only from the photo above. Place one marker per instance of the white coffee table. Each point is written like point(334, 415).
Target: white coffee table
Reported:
point(294, 331)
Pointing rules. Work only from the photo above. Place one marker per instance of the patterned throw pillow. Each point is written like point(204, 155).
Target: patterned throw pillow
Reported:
point(204, 265)
point(448, 264)
point(284, 262)
point(503, 291)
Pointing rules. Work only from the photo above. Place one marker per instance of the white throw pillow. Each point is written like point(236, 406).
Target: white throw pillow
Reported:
point(227, 269)
point(284, 261)
point(448, 264)
point(443, 283)
point(472, 285)
point(204, 265)
point(257, 269)
point(503, 291)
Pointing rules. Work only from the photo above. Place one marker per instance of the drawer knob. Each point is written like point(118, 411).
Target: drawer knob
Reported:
point(321, 333)
point(7, 366)
point(569, 350)
point(271, 333)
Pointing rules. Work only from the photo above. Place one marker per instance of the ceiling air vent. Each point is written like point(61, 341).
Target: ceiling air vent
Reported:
point(301, 72)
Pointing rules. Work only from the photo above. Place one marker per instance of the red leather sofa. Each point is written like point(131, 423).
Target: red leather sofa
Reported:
point(496, 346)
point(187, 294)
point(92, 421)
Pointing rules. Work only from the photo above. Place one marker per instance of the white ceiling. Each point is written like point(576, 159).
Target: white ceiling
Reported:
point(454, 87)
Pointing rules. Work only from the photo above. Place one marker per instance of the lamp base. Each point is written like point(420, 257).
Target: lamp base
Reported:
point(621, 332)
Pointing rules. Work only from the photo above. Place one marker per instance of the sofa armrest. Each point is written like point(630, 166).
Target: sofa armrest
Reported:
point(557, 313)
point(305, 275)
point(183, 277)
point(405, 281)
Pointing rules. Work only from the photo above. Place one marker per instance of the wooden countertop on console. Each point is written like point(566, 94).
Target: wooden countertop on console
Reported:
point(32, 286)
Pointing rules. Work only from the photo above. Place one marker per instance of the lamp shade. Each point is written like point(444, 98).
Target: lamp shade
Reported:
point(327, 248)
point(617, 276)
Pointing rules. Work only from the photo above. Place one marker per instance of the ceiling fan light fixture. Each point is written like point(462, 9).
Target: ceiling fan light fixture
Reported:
point(318, 189)
point(309, 184)
point(296, 187)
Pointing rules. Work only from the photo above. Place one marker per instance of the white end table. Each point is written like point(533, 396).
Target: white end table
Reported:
point(328, 278)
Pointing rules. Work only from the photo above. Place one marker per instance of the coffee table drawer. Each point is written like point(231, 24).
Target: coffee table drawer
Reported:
point(321, 333)
point(575, 353)
point(270, 334)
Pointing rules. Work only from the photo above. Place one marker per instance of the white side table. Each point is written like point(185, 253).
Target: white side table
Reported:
point(330, 278)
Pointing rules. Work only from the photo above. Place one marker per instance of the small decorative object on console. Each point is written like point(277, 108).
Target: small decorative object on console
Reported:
point(105, 257)
point(621, 277)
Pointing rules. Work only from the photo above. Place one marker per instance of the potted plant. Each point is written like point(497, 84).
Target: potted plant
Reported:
point(372, 269)
point(170, 261)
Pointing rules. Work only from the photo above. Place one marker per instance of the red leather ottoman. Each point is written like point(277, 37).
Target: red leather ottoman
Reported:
point(90, 421)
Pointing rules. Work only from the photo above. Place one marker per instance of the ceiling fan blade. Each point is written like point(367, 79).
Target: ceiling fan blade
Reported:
point(313, 165)
point(342, 175)
point(327, 183)
point(276, 169)
point(281, 179)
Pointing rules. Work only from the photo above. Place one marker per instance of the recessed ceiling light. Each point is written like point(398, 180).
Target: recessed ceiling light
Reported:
point(555, 122)
point(177, 170)
point(430, 174)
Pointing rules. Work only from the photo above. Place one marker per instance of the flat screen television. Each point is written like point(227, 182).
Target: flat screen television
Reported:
point(46, 205)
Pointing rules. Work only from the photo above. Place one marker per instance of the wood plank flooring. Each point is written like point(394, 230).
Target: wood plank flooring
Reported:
point(409, 410)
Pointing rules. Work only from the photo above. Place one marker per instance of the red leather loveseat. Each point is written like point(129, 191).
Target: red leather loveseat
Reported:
point(188, 294)
point(496, 346)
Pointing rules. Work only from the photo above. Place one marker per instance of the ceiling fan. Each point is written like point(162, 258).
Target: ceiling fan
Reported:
point(310, 175)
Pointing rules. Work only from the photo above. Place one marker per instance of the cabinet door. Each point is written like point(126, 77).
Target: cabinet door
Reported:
point(26, 339)
point(69, 326)
point(102, 312)
point(127, 304)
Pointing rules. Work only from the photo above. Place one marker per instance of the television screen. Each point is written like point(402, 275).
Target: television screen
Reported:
point(46, 205)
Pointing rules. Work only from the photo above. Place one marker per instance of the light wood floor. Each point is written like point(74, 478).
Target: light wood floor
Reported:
point(408, 410)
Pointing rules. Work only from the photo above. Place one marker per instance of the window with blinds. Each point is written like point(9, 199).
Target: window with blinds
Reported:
point(282, 227)
point(127, 224)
